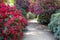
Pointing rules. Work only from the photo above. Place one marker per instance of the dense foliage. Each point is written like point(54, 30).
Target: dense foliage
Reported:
point(44, 16)
point(24, 13)
point(11, 23)
point(54, 24)
point(23, 3)
point(31, 15)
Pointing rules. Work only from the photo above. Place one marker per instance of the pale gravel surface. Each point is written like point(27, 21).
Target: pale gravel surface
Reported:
point(38, 32)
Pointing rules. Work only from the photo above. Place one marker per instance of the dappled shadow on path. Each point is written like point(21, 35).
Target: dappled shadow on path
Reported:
point(38, 32)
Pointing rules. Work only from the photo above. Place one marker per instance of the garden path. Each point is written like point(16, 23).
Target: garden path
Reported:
point(37, 32)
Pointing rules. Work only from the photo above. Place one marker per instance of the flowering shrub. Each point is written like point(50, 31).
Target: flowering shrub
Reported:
point(23, 10)
point(44, 17)
point(39, 6)
point(11, 23)
point(23, 3)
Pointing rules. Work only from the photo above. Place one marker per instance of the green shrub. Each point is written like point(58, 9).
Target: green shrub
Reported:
point(54, 24)
point(31, 15)
point(43, 18)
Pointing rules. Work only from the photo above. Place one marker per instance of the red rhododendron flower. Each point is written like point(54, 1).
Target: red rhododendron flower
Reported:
point(12, 22)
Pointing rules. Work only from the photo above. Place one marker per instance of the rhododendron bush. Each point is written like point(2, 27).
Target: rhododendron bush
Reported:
point(23, 10)
point(23, 3)
point(12, 23)
point(44, 10)
point(41, 6)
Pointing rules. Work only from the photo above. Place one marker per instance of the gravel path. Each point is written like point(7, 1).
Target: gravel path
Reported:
point(38, 32)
